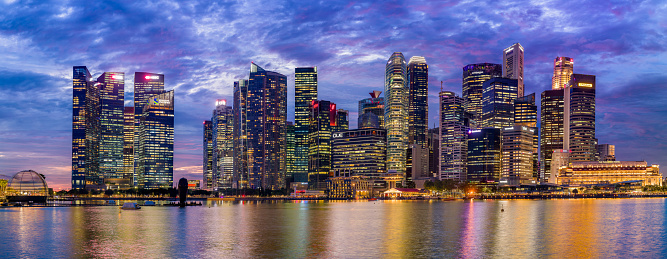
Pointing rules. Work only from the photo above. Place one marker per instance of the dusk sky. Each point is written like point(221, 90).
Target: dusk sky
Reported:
point(202, 47)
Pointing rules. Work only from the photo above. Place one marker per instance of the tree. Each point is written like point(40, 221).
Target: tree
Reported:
point(108, 192)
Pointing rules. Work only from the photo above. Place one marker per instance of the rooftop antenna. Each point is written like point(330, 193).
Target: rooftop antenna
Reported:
point(440, 86)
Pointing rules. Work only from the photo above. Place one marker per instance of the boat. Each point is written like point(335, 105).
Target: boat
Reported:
point(111, 202)
point(373, 199)
point(130, 206)
point(149, 203)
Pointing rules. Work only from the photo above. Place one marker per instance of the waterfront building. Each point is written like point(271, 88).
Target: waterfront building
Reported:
point(342, 122)
point(484, 156)
point(396, 112)
point(374, 105)
point(85, 129)
point(266, 111)
point(563, 69)
point(474, 76)
point(551, 129)
point(291, 153)
point(579, 118)
point(518, 147)
point(559, 158)
point(525, 114)
point(513, 65)
point(498, 102)
point(418, 162)
point(155, 154)
point(305, 92)
point(240, 135)
point(434, 151)
point(418, 101)
point(322, 124)
point(608, 172)
point(349, 186)
point(207, 160)
point(454, 126)
point(27, 186)
point(128, 145)
point(605, 152)
point(223, 145)
point(360, 152)
point(194, 185)
point(111, 89)
point(146, 85)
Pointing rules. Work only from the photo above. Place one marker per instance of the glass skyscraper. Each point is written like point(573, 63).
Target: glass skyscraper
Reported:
point(322, 124)
point(484, 157)
point(266, 126)
point(518, 147)
point(305, 91)
point(374, 105)
point(513, 65)
point(361, 152)
point(156, 142)
point(396, 112)
point(111, 88)
point(418, 98)
point(474, 76)
point(207, 158)
point(563, 69)
point(145, 85)
point(128, 145)
point(342, 122)
point(579, 118)
point(498, 102)
point(454, 126)
point(240, 134)
point(525, 114)
point(85, 129)
point(551, 129)
point(223, 146)
point(291, 152)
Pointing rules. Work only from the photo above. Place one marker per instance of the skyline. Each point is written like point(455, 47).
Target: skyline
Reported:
point(201, 62)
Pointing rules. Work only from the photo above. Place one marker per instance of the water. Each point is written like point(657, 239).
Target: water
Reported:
point(605, 228)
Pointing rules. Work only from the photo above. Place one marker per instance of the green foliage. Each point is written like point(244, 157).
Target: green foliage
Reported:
point(654, 188)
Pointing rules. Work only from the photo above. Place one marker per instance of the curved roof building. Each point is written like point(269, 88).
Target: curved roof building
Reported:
point(27, 185)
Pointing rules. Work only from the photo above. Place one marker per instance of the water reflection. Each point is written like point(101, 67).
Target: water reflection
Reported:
point(468, 229)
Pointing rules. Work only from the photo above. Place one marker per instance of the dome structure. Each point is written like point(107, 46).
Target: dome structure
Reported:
point(27, 185)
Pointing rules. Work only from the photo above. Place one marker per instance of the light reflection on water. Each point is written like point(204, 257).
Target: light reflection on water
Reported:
point(541, 228)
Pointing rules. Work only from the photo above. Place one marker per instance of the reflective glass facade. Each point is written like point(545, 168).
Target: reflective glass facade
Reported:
point(579, 119)
point(85, 129)
point(454, 126)
point(156, 142)
point(111, 87)
point(240, 134)
point(145, 85)
point(474, 76)
point(518, 144)
point(128, 145)
point(498, 102)
point(322, 125)
point(305, 91)
point(513, 65)
point(207, 158)
point(374, 106)
point(361, 152)
point(484, 157)
point(551, 129)
point(418, 98)
point(291, 152)
point(396, 112)
point(223, 146)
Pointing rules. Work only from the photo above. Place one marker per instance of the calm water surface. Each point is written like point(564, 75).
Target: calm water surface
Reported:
point(604, 228)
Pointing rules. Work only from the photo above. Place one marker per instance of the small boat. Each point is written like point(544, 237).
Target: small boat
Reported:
point(373, 199)
point(149, 203)
point(111, 202)
point(130, 206)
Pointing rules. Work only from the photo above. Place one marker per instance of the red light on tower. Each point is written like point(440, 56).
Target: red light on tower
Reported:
point(147, 77)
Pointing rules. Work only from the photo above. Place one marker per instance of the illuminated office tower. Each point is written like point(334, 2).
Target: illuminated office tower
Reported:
point(498, 102)
point(266, 111)
point(207, 160)
point(518, 147)
point(369, 121)
point(156, 142)
point(291, 152)
point(360, 151)
point(145, 85)
point(474, 76)
point(223, 145)
point(374, 105)
point(342, 122)
point(322, 123)
point(605, 152)
point(240, 135)
point(111, 87)
point(484, 156)
point(85, 129)
point(396, 112)
point(454, 126)
point(434, 151)
point(579, 118)
point(513, 65)
point(525, 114)
point(418, 101)
point(128, 145)
point(563, 69)
point(551, 129)
point(305, 91)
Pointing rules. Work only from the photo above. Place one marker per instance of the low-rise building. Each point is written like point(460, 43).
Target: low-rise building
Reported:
point(349, 187)
point(608, 172)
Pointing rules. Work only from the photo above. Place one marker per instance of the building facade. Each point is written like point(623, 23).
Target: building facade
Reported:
point(112, 89)
point(608, 172)
point(322, 124)
point(551, 129)
point(146, 85)
point(128, 144)
point(474, 76)
point(207, 158)
point(305, 91)
point(513, 65)
point(240, 135)
point(396, 112)
point(579, 118)
point(291, 153)
point(498, 102)
point(563, 69)
point(85, 129)
point(605, 152)
point(223, 145)
point(360, 152)
point(418, 101)
point(518, 148)
point(484, 156)
point(156, 142)
point(454, 127)
point(374, 105)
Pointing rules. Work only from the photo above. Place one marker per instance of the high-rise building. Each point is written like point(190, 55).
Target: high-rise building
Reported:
point(223, 145)
point(369, 121)
point(322, 124)
point(396, 112)
point(579, 118)
point(513, 65)
point(128, 145)
point(525, 111)
point(155, 159)
point(111, 87)
point(85, 129)
point(551, 129)
point(518, 147)
point(559, 158)
point(342, 122)
point(434, 151)
point(454, 126)
point(374, 105)
point(240, 135)
point(474, 76)
point(484, 156)
point(146, 85)
point(360, 152)
point(563, 69)
point(266, 127)
point(305, 91)
point(207, 160)
point(418, 101)
point(605, 152)
point(291, 152)
point(498, 102)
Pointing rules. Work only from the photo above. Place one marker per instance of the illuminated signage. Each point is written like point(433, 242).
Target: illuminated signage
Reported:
point(474, 131)
point(220, 102)
point(161, 101)
point(152, 77)
point(585, 85)
point(117, 77)
point(337, 135)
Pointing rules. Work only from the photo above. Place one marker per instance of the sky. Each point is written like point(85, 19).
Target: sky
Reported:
point(202, 47)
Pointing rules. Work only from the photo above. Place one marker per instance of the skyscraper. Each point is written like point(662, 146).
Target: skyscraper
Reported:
point(374, 105)
point(513, 65)
point(563, 69)
point(396, 112)
point(322, 123)
point(240, 135)
point(579, 118)
point(484, 156)
point(474, 76)
point(525, 111)
point(342, 122)
point(266, 127)
point(418, 101)
point(111, 87)
point(454, 127)
point(518, 144)
point(551, 129)
point(207, 160)
point(156, 142)
point(498, 102)
point(128, 145)
point(305, 91)
point(291, 152)
point(360, 151)
point(85, 129)
point(145, 85)
point(223, 145)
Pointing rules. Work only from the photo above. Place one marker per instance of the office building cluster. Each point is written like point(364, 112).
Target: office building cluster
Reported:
point(118, 147)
